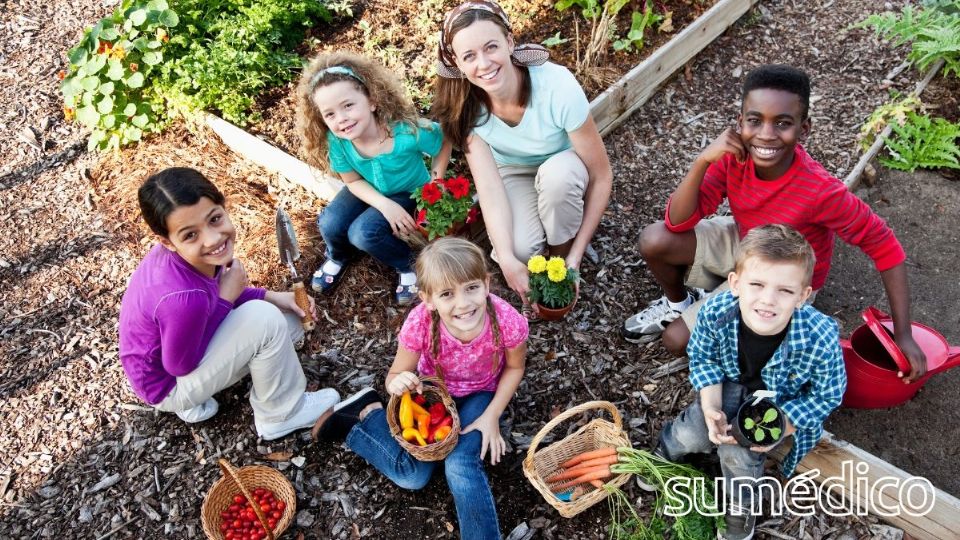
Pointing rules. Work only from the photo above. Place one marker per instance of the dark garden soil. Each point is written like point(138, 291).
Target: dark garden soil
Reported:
point(81, 457)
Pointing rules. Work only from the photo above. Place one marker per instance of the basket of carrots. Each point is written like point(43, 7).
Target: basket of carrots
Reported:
point(425, 425)
point(571, 473)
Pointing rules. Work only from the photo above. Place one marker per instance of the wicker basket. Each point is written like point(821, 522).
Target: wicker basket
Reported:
point(245, 480)
point(546, 462)
point(434, 388)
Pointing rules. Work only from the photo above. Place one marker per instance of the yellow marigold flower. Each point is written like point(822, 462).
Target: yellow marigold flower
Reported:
point(556, 264)
point(118, 52)
point(537, 264)
point(557, 275)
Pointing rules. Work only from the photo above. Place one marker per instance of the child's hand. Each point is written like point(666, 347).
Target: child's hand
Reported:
point(718, 430)
point(405, 381)
point(489, 428)
point(233, 279)
point(398, 218)
point(727, 143)
point(287, 301)
point(913, 352)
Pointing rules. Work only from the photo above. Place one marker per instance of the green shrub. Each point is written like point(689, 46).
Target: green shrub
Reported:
point(933, 32)
point(149, 62)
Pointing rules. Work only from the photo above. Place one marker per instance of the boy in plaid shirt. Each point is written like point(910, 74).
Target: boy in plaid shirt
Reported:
point(759, 335)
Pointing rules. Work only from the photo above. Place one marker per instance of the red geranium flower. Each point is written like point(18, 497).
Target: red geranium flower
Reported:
point(472, 214)
point(431, 193)
point(422, 217)
point(459, 187)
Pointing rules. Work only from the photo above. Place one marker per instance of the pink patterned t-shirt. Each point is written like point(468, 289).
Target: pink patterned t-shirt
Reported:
point(467, 367)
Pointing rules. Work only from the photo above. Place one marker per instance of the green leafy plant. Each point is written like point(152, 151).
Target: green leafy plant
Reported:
point(922, 142)
point(638, 26)
point(554, 40)
point(762, 426)
point(933, 31)
point(552, 284)
point(601, 16)
point(443, 204)
point(895, 111)
point(150, 61)
point(105, 86)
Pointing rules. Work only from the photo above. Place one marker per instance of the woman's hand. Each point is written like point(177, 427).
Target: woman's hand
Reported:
point(517, 276)
point(287, 301)
point(489, 427)
point(405, 381)
point(233, 280)
point(400, 221)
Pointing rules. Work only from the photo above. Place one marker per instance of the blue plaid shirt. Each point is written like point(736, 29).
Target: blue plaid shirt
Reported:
point(806, 371)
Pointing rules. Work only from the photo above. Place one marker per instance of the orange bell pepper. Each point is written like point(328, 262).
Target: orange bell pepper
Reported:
point(441, 433)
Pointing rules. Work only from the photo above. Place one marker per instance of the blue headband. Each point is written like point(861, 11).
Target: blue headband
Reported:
point(342, 70)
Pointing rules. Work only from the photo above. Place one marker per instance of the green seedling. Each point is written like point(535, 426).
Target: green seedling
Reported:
point(769, 424)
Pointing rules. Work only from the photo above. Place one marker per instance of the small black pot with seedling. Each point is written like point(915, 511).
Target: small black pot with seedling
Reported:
point(760, 424)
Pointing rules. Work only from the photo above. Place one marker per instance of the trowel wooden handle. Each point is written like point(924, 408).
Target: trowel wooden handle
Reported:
point(302, 299)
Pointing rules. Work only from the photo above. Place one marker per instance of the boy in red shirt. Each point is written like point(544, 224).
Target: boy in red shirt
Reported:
point(762, 170)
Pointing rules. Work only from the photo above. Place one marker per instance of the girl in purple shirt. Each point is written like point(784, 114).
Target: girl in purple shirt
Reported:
point(190, 326)
point(477, 342)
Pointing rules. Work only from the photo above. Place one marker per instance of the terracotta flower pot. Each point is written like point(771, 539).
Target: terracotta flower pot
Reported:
point(554, 314)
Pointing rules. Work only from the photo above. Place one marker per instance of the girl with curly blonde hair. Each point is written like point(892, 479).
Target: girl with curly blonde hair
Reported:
point(356, 121)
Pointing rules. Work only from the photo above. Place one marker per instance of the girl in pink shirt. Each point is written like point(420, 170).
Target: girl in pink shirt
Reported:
point(477, 343)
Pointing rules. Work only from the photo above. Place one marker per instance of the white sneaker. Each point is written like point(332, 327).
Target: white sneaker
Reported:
point(647, 325)
point(201, 412)
point(313, 405)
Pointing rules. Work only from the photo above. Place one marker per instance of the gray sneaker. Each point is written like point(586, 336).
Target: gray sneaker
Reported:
point(647, 325)
point(739, 527)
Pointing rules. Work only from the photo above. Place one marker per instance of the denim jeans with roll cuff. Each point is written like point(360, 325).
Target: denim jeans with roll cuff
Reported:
point(466, 478)
point(348, 225)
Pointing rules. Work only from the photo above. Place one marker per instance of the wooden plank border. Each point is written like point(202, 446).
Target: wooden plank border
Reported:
point(878, 484)
point(323, 186)
point(628, 94)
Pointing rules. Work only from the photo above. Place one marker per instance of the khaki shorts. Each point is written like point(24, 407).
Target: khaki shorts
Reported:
point(717, 241)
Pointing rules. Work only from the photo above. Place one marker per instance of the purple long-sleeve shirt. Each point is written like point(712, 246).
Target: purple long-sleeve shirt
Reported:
point(168, 316)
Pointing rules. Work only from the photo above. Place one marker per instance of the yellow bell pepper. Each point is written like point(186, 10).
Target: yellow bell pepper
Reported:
point(412, 435)
point(406, 411)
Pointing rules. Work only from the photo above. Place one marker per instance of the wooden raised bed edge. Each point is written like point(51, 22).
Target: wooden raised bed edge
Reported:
point(609, 109)
point(943, 520)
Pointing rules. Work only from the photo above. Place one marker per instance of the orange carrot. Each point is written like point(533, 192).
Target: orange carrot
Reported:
point(597, 484)
point(582, 467)
point(591, 454)
point(598, 474)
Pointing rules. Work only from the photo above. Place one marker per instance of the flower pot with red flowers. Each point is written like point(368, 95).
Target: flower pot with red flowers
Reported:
point(553, 286)
point(444, 207)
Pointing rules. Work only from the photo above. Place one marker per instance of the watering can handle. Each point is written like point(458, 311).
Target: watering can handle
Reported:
point(872, 317)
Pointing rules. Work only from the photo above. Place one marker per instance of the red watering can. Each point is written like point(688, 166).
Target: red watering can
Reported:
point(873, 360)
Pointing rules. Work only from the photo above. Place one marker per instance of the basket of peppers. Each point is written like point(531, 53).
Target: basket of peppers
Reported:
point(425, 425)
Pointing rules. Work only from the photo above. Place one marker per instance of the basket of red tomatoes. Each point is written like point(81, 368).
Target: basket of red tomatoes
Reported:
point(249, 503)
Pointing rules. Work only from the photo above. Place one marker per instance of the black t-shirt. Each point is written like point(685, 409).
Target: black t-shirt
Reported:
point(753, 352)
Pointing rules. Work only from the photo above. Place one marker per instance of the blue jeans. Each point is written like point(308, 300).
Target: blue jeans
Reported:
point(466, 478)
point(687, 434)
point(348, 224)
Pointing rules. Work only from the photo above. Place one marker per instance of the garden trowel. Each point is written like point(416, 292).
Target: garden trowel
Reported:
point(289, 253)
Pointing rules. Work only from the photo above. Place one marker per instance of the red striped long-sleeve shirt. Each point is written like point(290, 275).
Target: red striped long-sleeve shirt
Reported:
point(806, 198)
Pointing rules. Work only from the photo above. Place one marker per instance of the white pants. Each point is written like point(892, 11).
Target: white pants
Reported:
point(255, 338)
point(546, 202)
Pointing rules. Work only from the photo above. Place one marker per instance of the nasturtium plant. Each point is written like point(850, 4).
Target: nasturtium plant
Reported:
point(105, 87)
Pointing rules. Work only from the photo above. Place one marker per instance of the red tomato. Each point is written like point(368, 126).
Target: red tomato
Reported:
point(272, 523)
point(239, 499)
point(276, 514)
point(281, 506)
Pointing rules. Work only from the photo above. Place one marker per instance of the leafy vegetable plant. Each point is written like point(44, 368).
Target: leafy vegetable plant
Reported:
point(766, 425)
point(933, 31)
point(923, 142)
point(638, 26)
